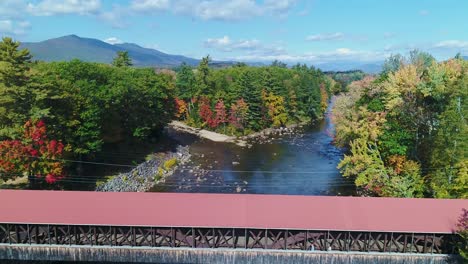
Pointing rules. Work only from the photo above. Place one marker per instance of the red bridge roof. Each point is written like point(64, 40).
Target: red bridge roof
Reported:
point(231, 210)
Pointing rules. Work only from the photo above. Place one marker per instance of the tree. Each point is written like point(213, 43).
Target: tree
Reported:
point(185, 82)
point(14, 63)
point(279, 64)
point(422, 60)
point(220, 114)
point(202, 77)
point(205, 112)
point(323, 98)
point(16, 100)
point(276, 109)
point(122, 59)
point(253, 97)
point(35, 155)
point(181, 108)
point(392, 64)
point(238, 114)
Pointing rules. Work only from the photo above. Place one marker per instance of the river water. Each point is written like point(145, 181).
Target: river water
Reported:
point(302, 163)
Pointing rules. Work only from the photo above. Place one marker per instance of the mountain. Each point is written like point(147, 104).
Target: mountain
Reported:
point(372, 67)
point(94, 50)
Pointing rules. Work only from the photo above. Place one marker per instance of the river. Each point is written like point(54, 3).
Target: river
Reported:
point(302, 163)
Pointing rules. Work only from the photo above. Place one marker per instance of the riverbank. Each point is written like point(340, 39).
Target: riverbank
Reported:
point(263, 136)
point(143, 177)
point(206, 134)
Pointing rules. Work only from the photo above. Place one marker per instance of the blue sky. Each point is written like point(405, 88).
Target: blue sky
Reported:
point(313, 31)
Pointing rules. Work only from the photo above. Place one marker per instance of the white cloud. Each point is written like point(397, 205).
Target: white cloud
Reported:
point(218, 43)
point(10, 27)
point(231, 10)
point(225, 44)
point(341, 54)
point(113, 40)
point(326, 37)
point(279, 6)
point(115, 17)
point(12, 8)
point(60, 7)
point(149, 5)
point(452, 44)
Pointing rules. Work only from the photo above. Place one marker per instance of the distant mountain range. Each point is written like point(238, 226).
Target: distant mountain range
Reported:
point(93, 50)
point(373, 67)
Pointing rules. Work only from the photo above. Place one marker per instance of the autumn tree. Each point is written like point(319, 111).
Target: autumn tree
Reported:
point(205, 112)
point(181, 108)
point(220, 114)
point(414, 117)
point(238, 114)
point(34, 155)
point(276, 109)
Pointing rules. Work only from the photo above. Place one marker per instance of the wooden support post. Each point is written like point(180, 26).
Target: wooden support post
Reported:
point(306, 239)
point(29, 235)
point(9, 234)
point(48, 234)
point(245, 238)
point(172, 237)
point(286, 235)
point(432, 244)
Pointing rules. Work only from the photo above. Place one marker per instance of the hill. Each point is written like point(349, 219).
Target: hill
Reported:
point(94, 50)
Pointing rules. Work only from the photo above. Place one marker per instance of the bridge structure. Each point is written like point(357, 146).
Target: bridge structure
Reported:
point(64, 219)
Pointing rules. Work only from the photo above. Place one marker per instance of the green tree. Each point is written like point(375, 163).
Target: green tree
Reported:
point(122, 59)
point(253, 97)
point(16, 99)
point(392, 63)
point(185, 82)
point(203, 77)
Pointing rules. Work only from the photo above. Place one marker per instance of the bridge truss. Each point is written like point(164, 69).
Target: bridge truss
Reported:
point(229, 238)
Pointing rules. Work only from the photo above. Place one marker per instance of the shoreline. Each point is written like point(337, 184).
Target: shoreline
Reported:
point(147, 174)
point(241, 141)
point(206, 134)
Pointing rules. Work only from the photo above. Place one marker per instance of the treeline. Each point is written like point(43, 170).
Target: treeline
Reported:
point(242, 99)
point(406, 129)
point(78, 104)
point(344, 78)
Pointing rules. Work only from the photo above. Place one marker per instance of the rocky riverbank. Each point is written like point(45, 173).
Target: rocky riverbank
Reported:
point(264, 136)
point(268, 135)
point(146, 175)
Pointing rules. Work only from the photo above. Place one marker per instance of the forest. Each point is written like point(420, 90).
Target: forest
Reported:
point(59, 111)
point(406, 129)
point(240, 100)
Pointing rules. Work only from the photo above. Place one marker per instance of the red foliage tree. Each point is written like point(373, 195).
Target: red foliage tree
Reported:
point(34, 155)
point(205, 112)
point(221, 116)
